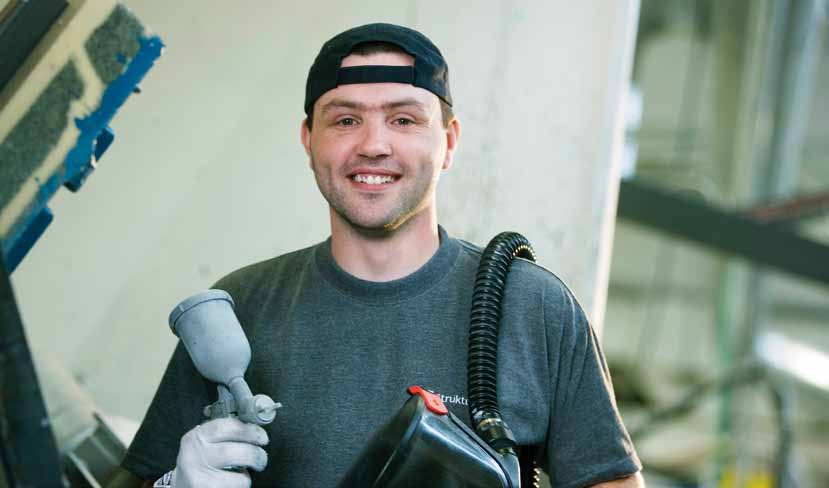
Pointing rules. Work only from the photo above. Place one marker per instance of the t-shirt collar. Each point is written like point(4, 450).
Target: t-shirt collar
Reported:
point(396, 290)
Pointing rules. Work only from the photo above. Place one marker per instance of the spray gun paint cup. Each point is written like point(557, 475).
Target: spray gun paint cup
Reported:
point(212, 335)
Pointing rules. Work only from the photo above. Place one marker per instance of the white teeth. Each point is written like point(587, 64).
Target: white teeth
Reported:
point(372, 179)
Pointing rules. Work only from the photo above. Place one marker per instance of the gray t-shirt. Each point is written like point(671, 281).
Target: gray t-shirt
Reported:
point(339, 352)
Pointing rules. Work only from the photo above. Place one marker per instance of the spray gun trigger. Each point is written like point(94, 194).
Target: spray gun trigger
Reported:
point(220, 409)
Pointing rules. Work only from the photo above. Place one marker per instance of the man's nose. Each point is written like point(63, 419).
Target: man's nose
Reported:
point(375, 140)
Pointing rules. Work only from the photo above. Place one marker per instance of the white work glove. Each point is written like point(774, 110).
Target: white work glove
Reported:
point(208, 449)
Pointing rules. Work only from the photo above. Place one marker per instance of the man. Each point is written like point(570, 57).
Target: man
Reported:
point(340, 329)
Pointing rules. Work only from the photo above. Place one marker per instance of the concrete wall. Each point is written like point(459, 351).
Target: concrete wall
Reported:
point(207, 173)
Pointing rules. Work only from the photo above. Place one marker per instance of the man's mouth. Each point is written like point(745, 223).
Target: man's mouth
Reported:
point(372, 179)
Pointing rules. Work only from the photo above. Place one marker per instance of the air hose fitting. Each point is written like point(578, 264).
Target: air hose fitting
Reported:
point(490, 282)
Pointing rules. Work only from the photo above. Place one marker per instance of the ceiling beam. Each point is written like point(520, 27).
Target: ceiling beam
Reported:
point(724, 231)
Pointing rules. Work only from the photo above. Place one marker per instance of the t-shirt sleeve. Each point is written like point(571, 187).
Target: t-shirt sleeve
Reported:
point(587, 442)
point(176, 408)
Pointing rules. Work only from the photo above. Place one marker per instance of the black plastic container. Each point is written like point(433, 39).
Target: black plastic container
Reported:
point(425, 445)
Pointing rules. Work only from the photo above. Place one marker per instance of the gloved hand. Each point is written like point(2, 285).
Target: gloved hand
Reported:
point(207, 449)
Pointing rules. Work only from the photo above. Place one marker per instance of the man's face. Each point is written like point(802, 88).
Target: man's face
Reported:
point(377, 149)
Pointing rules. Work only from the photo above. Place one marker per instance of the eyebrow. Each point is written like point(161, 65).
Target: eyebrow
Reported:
point(404, 102)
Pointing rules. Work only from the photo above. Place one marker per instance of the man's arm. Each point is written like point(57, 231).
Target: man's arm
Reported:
point(632, 481)
point(587, 441)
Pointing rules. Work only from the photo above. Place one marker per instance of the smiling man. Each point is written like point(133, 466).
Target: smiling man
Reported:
point(377, 150)
point(340, 329)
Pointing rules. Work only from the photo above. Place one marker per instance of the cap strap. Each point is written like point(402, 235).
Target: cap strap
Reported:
point(375, 74)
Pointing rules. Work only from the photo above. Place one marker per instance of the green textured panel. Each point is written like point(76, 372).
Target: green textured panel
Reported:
point(37, 133)
point(114, 43)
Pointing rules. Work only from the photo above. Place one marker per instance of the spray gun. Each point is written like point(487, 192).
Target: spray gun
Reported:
point(212, 335)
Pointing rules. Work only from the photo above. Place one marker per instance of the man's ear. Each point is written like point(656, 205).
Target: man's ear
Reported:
point(453, 135)
point(305, 136)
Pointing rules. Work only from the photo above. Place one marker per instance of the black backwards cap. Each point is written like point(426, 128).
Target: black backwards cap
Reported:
point(429, 71)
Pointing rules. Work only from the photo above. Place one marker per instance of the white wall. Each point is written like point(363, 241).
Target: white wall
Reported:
point(207, 173)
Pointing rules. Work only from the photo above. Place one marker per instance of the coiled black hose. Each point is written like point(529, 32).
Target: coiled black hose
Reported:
point(490, 281)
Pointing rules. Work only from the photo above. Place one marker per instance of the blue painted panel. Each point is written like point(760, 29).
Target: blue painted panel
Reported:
point(94, 139)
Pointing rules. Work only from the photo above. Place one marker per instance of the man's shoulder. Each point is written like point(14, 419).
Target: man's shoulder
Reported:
point(269, 269)
point(523, 274)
